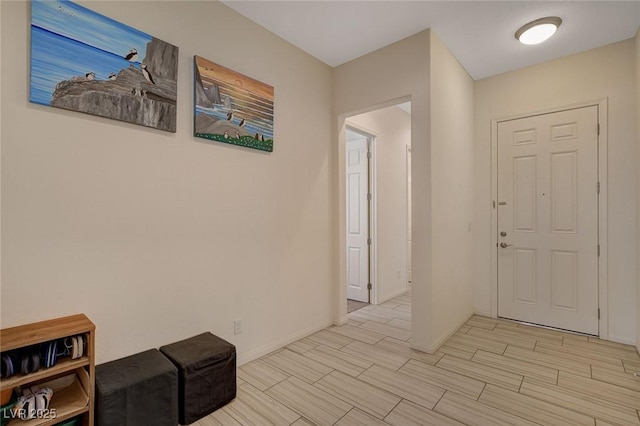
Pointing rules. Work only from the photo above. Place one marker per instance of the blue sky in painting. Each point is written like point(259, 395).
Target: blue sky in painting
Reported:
point(79, 23)
point(68, 40)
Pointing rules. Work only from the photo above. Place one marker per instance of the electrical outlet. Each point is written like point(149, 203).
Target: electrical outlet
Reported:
point(237, 326)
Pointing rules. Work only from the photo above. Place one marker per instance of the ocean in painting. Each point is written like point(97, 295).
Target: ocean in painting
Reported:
point(68, 40)
point(258, 125)
point(231, 107)
point(78, 63)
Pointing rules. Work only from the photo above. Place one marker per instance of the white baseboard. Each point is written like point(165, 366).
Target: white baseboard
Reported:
point(484, 314)
point(261, 351)
point(433, 348)
point(623, 340)
point(392, 295)
point(422, 349)
point(341, 321)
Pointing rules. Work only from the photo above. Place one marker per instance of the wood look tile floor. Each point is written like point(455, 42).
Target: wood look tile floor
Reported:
point(491, 372)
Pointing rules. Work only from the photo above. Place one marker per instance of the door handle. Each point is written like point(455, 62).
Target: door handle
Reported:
point(505, 245)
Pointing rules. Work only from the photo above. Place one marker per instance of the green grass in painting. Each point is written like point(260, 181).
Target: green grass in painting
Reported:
point(248, 141)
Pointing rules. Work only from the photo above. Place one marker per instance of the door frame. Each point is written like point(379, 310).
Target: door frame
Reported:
point(373, 211)
point(409, 216)
point(603, 323)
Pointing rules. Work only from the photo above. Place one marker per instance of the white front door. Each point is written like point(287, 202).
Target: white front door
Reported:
point(548, 219)
point(357, 221)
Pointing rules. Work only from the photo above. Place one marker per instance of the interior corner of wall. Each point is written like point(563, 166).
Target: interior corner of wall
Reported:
point(439, 341)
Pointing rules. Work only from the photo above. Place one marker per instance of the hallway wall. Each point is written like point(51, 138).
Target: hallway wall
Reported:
point(159, 236)
point(441, 95)
point(452, 166)
point(395, 73)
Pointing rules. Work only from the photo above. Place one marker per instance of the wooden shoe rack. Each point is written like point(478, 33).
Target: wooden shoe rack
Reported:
point(73, 381)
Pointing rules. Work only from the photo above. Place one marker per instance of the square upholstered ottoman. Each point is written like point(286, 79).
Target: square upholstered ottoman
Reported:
point(206, 374)
point(140, 389)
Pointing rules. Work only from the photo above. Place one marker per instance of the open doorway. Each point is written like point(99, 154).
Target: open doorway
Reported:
point(378, 220)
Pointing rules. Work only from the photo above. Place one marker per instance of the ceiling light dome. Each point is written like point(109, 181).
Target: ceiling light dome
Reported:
point(539, 30)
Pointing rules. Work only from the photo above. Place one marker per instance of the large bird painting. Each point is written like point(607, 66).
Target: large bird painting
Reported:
point(231, 107)
point(87, 62)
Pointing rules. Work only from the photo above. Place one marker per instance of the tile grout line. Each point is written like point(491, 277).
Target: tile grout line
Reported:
point(394, 407)
point(398, 369)
point(480, 394)
point(439, 399)
point(345, 414)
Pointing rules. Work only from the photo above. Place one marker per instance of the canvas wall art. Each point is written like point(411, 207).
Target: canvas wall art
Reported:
point(231, 107)
point(87, 62)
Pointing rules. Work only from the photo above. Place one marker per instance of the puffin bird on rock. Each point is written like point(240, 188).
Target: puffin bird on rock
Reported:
point(90, 76)
point(241, 122)
point(132, 56)
point(112, 76)
point(147, 75)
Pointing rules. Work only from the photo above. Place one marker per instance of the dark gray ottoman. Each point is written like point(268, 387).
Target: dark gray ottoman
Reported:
point(140, 389)
point(206, 374)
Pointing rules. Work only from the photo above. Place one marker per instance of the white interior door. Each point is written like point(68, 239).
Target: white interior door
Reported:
point(548, 219)
point(357, 221)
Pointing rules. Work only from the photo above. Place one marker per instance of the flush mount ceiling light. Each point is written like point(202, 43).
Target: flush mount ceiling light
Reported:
point(539, 30)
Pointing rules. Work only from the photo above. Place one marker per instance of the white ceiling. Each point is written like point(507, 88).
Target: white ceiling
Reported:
point(479, 33)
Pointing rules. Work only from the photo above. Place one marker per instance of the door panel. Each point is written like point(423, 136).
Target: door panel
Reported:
point(564, 191)
point(548, 208)
point(357, 221)
point(524, 277)
point(564, 285)
point(524, 186)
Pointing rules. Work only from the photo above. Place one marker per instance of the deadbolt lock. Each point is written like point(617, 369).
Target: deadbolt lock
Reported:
point(503, 234)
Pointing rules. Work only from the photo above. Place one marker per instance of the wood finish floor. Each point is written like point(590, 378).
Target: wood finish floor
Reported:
point(491, 372)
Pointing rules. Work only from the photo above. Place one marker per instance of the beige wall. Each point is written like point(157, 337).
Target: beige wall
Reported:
point(637, 41)
point(392, 128)
point(159, 236)
point(442, 155)
point(382, 78)
point(606, 72)
point(452, 192)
